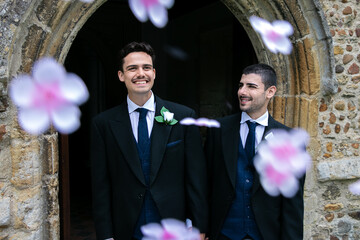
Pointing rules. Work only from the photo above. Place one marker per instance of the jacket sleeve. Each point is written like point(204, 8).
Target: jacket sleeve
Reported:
point(196, 178)
point(100, 185)
point(293, 215)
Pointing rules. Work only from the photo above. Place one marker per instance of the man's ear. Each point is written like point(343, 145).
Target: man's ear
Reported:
point(270, 92)
point(121, 76)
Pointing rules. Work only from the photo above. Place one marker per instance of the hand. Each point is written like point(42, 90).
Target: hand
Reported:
point(202, 236)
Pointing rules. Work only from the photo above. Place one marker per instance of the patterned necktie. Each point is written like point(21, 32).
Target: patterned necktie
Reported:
point(250, 140)
point(143, 134)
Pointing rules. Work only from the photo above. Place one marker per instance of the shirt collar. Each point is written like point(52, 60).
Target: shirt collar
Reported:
point(263, 120)
point(149, 105)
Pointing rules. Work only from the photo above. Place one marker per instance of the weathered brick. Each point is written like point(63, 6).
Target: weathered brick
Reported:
point(347, 10)
point(340, 105)
point(347, 58)
point(329, 217)
point(329, 147)
point(355, 215)
point(339, 69)
point(346, 128)
point(332, 118)
point(337, 128)
point(333, 206)
point(338, 50)
point(357, 31)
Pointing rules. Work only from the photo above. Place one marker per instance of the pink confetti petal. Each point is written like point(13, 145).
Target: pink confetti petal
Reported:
point(201, 122)
point(282, 160)
point(275, 35)
point(50, 96)
point(355, 188)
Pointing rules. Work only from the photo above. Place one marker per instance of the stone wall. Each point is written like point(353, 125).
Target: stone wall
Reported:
point(29, 185)
point(337, 213)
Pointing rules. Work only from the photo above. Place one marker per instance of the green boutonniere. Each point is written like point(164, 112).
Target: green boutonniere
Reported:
point(166, 117)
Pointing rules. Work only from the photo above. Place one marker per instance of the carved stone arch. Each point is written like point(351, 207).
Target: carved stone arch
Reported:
point(308, 71)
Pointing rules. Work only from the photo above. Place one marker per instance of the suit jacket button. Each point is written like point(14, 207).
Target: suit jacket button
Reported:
point(140, 196)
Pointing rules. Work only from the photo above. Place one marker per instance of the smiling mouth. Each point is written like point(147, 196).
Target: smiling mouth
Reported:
point(140, 82)
point(244, 100)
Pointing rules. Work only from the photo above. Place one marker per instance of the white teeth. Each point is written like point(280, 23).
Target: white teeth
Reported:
point(142, 82)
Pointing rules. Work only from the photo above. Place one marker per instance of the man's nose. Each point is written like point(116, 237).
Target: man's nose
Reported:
point(140, 72)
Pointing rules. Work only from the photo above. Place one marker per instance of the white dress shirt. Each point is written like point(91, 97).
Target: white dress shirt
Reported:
point(134, 115)
point(259, 131)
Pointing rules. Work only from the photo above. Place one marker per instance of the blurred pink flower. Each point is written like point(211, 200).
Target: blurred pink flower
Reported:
point(156, 10)
point(50, 95)
point(201, 122)
point(281, 160)
point(355, 188)
point(275, 35)
point(170, 229)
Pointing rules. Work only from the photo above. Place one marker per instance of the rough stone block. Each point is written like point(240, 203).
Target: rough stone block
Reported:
point(5, 216)
point(339, 170)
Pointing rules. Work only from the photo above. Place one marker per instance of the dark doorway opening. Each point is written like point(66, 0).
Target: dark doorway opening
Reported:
point(199, 58)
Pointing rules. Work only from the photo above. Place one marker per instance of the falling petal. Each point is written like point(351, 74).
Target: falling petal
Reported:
point(34, 121)
point(158, 15)
point(66, 119)
point(201, 122)
point(48, 70)
point(275, 35)
point(282, 160)
point(50, 96)
point(355, 188)
point(22, 90)
point(138, 9)
point(167, 3)
point(74, 89)
point(283, 27)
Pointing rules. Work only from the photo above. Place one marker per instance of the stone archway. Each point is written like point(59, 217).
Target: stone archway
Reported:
point(49, 27)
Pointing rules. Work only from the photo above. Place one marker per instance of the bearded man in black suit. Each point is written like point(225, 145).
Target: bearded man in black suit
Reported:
point(239, 207)
point(144, 170)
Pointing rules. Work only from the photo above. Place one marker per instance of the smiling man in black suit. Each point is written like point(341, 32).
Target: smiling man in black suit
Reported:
point(239, 207)
point(144, 170)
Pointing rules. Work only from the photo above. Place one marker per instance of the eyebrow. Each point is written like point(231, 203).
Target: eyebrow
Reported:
point(249, 84)
point(144, 65)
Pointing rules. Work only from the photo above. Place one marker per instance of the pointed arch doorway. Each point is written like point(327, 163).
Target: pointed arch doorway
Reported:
point(200, 55)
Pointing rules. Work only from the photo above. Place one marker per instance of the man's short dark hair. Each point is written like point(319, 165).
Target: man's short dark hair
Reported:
point(135, 47)
point(267, 73)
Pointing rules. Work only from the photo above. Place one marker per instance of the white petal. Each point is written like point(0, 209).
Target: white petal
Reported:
point(269, 187)
point(355, 188)
point(283, 27)
point(66, 119)
point(260, 25)
point(167, 3)
point(48, 70)
point(158, 15)
point(284, 46)
point(34, 121)
point(138, 9)
point(290, 187)
point(187, 121)
point(21, 91)
point(74, 89)
point(270, 44)
point(152, 230)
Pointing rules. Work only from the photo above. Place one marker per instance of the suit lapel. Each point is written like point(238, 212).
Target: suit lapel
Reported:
point(271, 124)
point(230, 136)
point(122, 130)
point(159, 138)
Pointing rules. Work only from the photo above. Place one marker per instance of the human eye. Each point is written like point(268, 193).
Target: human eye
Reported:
point(147, 67)
point(241, 85)
point(132, 68)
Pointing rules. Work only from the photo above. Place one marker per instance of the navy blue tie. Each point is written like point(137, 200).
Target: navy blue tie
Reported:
point(250, 140)
point(143, 133)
